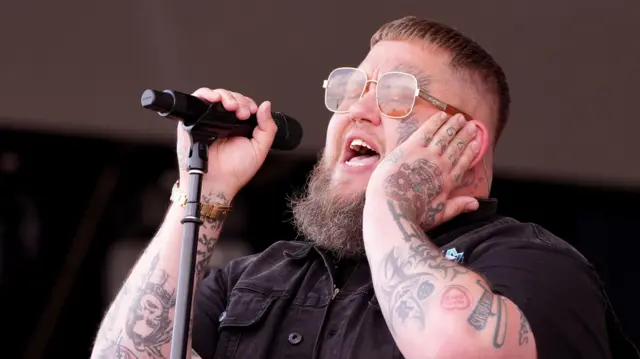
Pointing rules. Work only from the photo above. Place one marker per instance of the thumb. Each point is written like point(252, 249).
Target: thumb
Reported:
point(459, 205)
point(265, 132)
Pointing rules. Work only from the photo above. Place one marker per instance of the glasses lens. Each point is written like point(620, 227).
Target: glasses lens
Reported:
point(396, 94)
point(344, 88)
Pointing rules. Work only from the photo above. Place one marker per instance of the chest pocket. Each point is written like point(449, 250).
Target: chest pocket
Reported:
point(248, 324)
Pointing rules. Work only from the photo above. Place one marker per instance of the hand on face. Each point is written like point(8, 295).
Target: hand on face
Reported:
point(422, 172)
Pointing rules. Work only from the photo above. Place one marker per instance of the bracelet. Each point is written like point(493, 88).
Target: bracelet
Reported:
point(213, 211)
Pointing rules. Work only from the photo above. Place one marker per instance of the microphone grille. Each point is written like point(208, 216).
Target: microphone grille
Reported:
point(289, 134)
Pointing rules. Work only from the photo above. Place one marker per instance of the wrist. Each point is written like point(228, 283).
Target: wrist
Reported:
point(211, 192)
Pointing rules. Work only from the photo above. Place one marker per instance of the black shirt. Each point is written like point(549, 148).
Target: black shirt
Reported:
point(296, 301)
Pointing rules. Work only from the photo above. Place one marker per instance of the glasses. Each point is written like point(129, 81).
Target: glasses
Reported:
point(396, 92)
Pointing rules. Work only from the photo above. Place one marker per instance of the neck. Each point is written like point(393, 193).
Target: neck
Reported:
point(476, 182)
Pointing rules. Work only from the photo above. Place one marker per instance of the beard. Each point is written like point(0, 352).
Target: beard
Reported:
point(331, 220)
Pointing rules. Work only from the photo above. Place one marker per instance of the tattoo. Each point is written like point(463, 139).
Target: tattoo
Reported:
point(481, 313)
point(406, 128)
point(114, 349)
point(455, 297)
point(148, 324)
point(414, 187)
point(453, 158)
point(451, 131)
point(466, 180)
point(460, 145)
point(442, 145)
point(394, 156)
point(484, 310)
point(525, 329)
point(203, 255)
point(405, 291)
point(426, 139)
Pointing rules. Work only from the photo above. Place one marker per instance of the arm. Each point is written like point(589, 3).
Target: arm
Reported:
point(140, 321)
point(433, 306)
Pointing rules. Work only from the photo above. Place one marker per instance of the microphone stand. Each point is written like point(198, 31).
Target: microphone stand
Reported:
point(201, 139)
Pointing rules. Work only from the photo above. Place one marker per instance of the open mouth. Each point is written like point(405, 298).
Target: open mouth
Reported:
point(360, 154)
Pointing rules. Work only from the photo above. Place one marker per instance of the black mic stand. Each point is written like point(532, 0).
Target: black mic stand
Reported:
point(201, 139)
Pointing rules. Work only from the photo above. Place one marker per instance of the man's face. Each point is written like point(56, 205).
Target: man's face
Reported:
point(330, 212)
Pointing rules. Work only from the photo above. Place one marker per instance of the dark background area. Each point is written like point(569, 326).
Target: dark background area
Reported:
point(80, 196)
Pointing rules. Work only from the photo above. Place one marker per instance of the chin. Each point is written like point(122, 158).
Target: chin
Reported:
point(349, 186)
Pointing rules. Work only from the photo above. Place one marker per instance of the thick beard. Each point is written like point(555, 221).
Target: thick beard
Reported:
point(331, 220)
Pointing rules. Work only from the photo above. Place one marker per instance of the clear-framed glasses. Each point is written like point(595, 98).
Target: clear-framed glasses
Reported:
point(396, 92)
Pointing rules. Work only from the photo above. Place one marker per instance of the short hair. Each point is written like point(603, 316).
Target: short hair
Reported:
point(466, 55)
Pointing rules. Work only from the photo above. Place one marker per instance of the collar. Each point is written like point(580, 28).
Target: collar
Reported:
point(463, 223)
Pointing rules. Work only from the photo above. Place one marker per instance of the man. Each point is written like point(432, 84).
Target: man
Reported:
point(403, 252)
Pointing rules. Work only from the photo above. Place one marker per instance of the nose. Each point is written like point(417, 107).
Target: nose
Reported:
point(366, 108)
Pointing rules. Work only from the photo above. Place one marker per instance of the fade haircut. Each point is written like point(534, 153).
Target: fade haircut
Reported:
point(466, 56)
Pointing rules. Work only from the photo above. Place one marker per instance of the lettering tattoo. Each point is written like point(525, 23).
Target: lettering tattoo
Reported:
point(525, 330)
point(451, 131)
point(406, 128)
point(483, 311)
point(455, 297)
point(148, 324)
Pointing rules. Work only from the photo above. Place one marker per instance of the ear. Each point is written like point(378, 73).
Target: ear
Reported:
point(482, 137)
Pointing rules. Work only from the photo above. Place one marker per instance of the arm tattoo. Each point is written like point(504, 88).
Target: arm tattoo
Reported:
point(484, 310)
point(203, 255)
point(405, 290)
point(409, 272)
point(523, 335)
point(406, 128)
point(148, 324)
point(113, 349)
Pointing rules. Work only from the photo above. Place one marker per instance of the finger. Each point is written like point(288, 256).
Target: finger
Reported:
point(218, 95)
point(458, 205)
point(459, 142)
point(464, 162)
point(265, 132)
point(446, 132)
point(244, 106)
point(425, 133)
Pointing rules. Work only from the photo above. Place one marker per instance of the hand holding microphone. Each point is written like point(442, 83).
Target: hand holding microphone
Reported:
point(250, 131)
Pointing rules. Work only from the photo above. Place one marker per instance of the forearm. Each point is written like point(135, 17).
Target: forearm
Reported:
point(435, 307)
point(139, 323)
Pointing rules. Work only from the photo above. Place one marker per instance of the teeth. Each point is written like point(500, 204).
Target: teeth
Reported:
point(357, 164)
point(358, 143)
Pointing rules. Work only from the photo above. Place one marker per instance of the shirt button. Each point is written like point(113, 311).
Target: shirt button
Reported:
point(295, 338)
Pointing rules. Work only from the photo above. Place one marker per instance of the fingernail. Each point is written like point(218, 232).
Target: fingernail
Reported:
point(472, 128)
point(474, 146)
point(461, 119)
point(443, 115)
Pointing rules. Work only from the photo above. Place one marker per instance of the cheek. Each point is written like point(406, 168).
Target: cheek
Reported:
point(335, 133)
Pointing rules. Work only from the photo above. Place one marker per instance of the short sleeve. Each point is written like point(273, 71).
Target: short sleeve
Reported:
point(558, 292)
point(209, 303)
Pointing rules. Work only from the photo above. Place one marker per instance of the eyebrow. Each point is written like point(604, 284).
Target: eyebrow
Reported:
point(424, 80)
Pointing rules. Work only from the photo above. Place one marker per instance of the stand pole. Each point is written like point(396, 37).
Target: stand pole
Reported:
point(198, 157)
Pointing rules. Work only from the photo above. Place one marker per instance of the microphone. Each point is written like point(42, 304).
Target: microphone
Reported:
point(215, 120)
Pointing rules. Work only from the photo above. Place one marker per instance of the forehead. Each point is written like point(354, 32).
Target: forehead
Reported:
point(412, 57)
